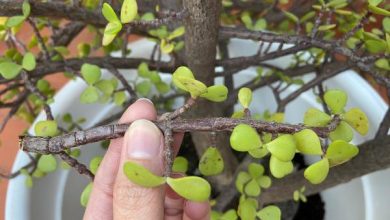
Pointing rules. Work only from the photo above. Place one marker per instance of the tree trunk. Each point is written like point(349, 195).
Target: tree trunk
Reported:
point(200, 53)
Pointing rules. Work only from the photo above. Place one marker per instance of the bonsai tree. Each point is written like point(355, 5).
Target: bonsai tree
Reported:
point(249, 161)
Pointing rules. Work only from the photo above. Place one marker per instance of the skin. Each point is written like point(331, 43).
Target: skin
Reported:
point(115, 197)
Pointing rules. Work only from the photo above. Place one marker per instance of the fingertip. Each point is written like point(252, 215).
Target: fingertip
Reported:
point(142, 108)
point(197, 210)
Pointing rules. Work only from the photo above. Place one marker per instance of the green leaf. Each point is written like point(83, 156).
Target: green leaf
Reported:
point(119, 98)
point(38, 173)
point(107, 39)
point(335, 3)
point(91, 73)
point(193, 86)
point(308, 16)
point(357, 120)
point(383, 64)
point(95, 163)
point(211, 162)
point(113, 28)
point(180, 165)
point(129, 11)
point(29, 63)
point(296, 196)
point(252, 188)
point(270, 212)
point(279, 168)
point(143, 88)
point(10, 70)
point(255, 170)
point(143, 70)
point(258, 152)
point(246, 210)
point(283, 147)
point(14, 21)
point(216, 93)
point(386, 24)
point(375, 46)
point(316, 118)
point(105, 86)
point(246, 19)
point(83, 49)
point(46, 128)
point(242, 179)
point(378, 11)
point(231, 214)
point(291, 16)
point(374, 2)
point(109, 13)
point(336, 100)
point(147, 16)
point(141, 176)
point(244, 138)
point(260, 24)
point(264, 181)
point(317, 172)
point(192, 188)
point(326, 27)
point(308, 142)
point(181, 71)
point(47, 163)
point(29, 181)
point(342, 132)
point(176, 33)
point(340, 152)
point(89, 95)
point(86, 194)
point(245, 97)
point(26, 8)
point(162, 87)
point(166, 47)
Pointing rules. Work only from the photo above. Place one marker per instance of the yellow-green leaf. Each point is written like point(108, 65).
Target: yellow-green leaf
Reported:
point(244, 138)
point(342, 132)
point(316, 118)
point(270, 212)
point(141, 176)
point(192, 188)
point(317, 172)
point(109, 13)
point(47, 128)
point(308, 142)
point(283, 147)
point(279, 168)
point(180, 165)
point(340, 152)
point(84, 198)
point(358, 120)
point(216, 93)
point(336, 100)
point(245, 97)
point(129, 11)
point(211, 162)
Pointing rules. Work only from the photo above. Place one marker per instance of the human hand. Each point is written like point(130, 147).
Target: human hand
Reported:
point(115, 197)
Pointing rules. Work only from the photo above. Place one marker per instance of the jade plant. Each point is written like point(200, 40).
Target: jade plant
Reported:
point(246, 160)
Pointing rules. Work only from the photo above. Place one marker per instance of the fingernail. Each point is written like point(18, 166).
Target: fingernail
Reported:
point(144, 99)
point(143, 140)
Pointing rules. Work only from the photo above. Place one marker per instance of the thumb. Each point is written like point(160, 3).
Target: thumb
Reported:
point(143, 144)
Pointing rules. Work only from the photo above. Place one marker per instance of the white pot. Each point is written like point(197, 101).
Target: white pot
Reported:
point(56, 196)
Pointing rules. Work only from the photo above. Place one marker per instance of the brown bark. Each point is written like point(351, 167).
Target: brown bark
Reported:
point(200, 49)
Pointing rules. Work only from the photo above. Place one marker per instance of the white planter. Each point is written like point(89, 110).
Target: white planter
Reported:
point(56, 196)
